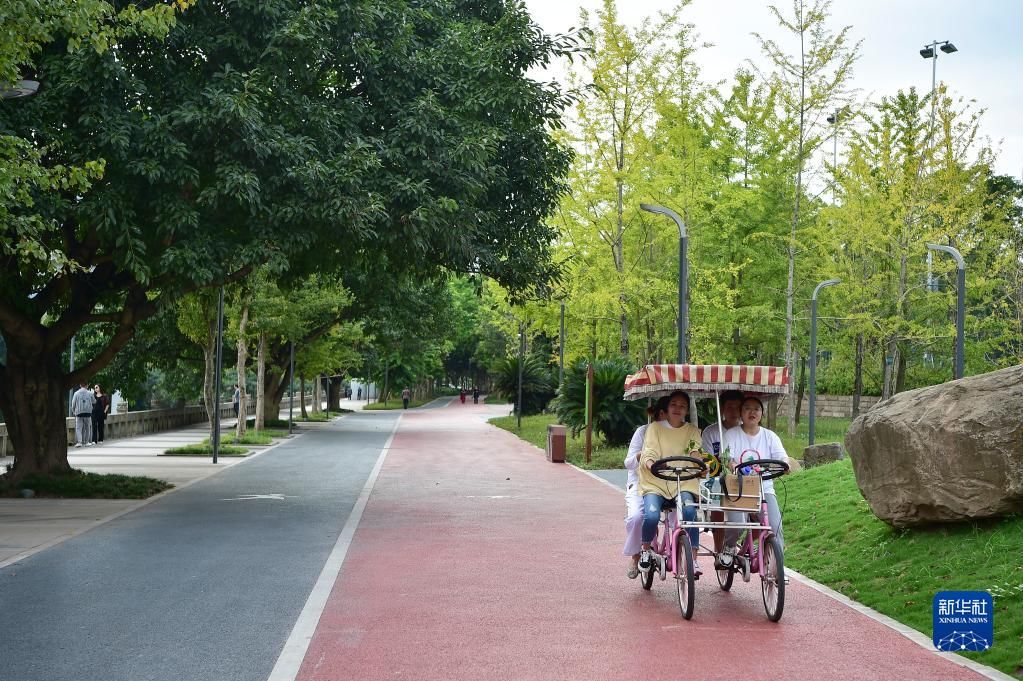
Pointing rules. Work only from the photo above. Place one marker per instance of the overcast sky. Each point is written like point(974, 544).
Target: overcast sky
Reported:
point(988, 67)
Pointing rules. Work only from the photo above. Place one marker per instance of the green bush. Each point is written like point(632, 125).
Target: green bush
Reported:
point(613, 417)
point(537, 383)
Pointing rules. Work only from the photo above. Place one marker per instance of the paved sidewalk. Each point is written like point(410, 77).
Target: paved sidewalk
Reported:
point(475, 558)
point(29, 525)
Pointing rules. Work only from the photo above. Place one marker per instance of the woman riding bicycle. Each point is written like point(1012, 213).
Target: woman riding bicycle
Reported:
point(661, 442)
point(633, 500)
point(748, 442)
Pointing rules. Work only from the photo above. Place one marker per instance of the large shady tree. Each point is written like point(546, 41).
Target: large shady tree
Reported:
point(287, 131)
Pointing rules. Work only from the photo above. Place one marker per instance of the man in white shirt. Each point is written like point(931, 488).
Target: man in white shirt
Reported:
point(731, 402)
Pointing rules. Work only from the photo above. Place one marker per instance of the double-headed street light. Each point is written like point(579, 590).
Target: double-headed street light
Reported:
point(833, 120)
point(813, 352)
point(930, 51)
point(683, 277)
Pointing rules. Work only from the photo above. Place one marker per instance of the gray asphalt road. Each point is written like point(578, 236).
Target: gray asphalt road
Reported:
point(204, 584)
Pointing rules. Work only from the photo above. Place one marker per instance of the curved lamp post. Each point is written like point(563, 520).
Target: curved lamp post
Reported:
point(813, 352)
point(21, 88)
point(683, 277)
point(960, 305)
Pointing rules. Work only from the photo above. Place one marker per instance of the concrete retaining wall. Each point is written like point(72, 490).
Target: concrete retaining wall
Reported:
point(839, 406)
point(135, 423)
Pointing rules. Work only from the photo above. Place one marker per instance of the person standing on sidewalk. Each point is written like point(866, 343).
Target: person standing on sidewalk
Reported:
point(475, 395)
point(81, 407)
point(406, 395)
point(100, 409)
point(236, 399)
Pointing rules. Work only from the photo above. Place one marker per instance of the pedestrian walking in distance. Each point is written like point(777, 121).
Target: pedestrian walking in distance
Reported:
point(236, 400)
point(406, 395)
point(81, 406)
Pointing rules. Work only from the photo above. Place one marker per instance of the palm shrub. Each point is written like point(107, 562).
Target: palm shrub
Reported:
point(613, 417)
point(537, 384)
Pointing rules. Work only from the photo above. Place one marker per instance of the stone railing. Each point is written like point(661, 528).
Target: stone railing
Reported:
point(134, 423)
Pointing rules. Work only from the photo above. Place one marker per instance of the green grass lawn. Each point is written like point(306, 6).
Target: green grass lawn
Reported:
point(534, 430)
point(81, 485)
point(253, 437)
point(204, 449)
point(832, 537)
point(396, 404)
point(825, 430)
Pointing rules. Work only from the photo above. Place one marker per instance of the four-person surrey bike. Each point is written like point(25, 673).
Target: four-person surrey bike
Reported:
point(758, 551)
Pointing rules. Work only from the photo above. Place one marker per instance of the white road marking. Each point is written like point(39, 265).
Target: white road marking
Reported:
point(290, 660)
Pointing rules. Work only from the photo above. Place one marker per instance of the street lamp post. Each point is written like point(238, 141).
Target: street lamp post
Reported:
point(20, 88)
point(561, 349)
point(930, 51)
point(813, 353)
point(522, 351)
point(216, 378)
point(960, 356)
point(683, 277)
point(833, 119)
point(291, 390)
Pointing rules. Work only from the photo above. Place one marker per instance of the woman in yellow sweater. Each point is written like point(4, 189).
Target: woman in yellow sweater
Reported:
point(672, 440)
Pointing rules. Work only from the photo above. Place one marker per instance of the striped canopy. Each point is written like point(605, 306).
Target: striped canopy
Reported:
point(703, 380)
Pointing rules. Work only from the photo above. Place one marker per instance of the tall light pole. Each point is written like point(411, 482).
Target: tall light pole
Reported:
point(930, 51)
point(833, 119)
point(960, 356)
point(291, 390)
point(522, 351)
point(813, 352)
point(561, 349)
point(216, 378)
point(683, 277)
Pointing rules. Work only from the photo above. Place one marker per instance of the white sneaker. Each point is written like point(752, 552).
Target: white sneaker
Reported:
point(696, 570)
point(645, 561)
point(78, 444)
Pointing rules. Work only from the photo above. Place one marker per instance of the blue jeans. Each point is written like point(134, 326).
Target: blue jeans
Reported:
point(652, 504)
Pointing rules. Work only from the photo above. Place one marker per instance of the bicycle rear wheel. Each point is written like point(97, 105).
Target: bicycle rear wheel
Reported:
point(685, 581)
point(772, 579)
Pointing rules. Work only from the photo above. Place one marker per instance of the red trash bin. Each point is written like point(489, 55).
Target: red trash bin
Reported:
point(556, 443)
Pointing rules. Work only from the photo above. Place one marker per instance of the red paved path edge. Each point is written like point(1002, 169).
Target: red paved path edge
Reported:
point(476, 558)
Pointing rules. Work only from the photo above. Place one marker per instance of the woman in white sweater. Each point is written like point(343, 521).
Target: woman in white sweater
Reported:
point(633, 500)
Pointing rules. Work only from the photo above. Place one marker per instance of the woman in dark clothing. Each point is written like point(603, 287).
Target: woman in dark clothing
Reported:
point(100, 408)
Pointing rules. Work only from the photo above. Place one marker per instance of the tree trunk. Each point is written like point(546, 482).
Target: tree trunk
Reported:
point(301, 382)
point(261, 383)
point(334, 390)
point(34, 405)
point(317, 402)
point(243, 357)
point(858, 376)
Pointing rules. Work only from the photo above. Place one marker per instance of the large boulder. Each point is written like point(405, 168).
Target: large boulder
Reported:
point(949, 452)
point(818, 455)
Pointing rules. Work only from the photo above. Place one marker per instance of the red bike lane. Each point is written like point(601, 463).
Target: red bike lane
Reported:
point(475, 558)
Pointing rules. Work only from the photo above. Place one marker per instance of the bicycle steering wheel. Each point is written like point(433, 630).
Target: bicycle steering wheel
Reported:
point(769, 468)
point(672, 468)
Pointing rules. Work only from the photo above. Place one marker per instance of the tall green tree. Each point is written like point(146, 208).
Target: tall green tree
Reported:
point(281, 131)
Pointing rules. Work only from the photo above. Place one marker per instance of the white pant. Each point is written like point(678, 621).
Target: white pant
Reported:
point(634, 523)
point(773, 518)
point(83, 429)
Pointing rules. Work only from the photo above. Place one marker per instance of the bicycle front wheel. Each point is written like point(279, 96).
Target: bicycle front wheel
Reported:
point(772, 579)
point(685, 581)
